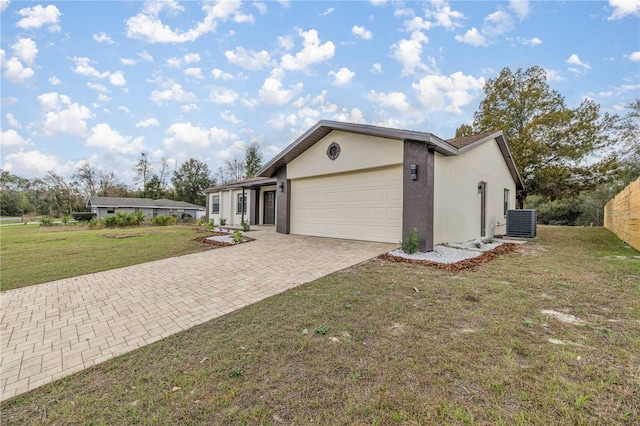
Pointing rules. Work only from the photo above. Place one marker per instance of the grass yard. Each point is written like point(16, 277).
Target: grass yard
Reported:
point(390, 343)
point(33, 254)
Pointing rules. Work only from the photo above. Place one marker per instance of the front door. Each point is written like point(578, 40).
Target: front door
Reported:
point(269, 208)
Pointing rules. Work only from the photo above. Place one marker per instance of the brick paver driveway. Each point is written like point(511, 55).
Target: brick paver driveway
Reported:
point(54, 329)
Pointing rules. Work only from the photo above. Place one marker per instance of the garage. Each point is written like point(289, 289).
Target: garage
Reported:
point(362, 205)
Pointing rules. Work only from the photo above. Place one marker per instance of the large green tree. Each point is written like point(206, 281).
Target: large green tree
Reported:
point(252, 160)
point(629, 142)
point(557, 149)
point(190, 180)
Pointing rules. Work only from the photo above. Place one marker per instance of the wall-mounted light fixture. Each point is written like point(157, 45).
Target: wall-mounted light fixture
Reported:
point(414, 171)
point(281, 186)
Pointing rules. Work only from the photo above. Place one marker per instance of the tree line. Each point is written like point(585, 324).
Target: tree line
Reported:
point(53, 195)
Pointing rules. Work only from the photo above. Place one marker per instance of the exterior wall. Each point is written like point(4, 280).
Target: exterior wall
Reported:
point(357, 152)
point(417, 195)
point(228, 204)
point(456, 197)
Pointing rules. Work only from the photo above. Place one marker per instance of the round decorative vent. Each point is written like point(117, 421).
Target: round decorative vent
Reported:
point(333, 151)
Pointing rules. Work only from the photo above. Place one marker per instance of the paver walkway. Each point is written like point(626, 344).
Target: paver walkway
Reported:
point(51, 330)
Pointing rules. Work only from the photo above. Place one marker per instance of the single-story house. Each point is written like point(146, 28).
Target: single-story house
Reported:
point(362, 182)
point(105, 206)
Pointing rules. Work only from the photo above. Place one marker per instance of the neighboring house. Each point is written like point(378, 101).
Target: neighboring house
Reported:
point(362, 182)
point(105, 206)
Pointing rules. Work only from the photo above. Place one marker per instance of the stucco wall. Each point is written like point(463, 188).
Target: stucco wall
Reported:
point(228, 204)
point(357, 152)
point(456, 197)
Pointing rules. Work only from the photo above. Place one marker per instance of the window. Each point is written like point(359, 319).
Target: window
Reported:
point(215, 204)
point(111, 210)
point(242, 204)
point(506, 202)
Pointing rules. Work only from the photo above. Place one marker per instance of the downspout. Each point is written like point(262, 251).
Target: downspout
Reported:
point(244, 203)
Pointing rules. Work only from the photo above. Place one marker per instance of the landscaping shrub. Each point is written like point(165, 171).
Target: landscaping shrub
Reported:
point(163, 220)
point(237, 237)
point(559, 212)
point(46, 221)
point(124, 219)
point(223, 221)
point(65, 219)
point(245, 226)
point(410, 244)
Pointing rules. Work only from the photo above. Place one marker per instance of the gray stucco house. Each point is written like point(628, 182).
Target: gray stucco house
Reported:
point(105, 206)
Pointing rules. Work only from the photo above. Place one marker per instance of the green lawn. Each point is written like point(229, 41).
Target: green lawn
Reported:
point(390, 343)
point(33, 254)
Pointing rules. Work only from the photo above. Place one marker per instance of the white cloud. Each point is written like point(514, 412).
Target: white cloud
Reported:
point(227, 115)
point(198, 138)
point(63, 116)
point(38, 16)
point(312, 52)
point(395, 100)
point(408, 52)
point(117, 79)
point(218, 74)
point(193, 72)
point(553, 76)
point(145, 56)
point(103, 38)
point(14, 71)
point(272, 91)
point(54, 81)
point(223, 95)
point(124, 109)
point(280, 121)
point(575, 60)
point(534, 41)
point(148, 26)
point(189, 107)
point(342, 77)
point(473, 37)
point(622, 8)
point(103, 98)
point(97, 86)
point(191, 58)
point(26, 50)
point(635, 56)
point(32, 163)
point(353, 116)
point(520, 7)
point(4, 4)
point(13, 122)
point(444, 16)
point(174, 62)
point(329, 11)
point(103, 136)
point(128, 62)
point(497, 23)
point(448, 93)
point(376, 68)
point(286, 42)
point(262, 8)
point(176, 93)
point(12, 138)
point(248, 59)
point(362, 32)
point(84, 67)
point(149, 122)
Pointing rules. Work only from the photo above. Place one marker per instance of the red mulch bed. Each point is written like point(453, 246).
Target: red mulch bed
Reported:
point(467, 264)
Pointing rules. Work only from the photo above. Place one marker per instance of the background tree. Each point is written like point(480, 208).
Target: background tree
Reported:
point(63, 197)
point(252, 160)
point(144, 173)
point(629, 143)
point(12, 197)
point(554, 146)
point(233, 169)
point(190, 180)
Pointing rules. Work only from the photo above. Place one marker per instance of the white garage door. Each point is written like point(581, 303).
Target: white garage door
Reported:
point(364, 205)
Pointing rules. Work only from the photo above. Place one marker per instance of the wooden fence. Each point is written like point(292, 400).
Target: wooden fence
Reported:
point(622, 215)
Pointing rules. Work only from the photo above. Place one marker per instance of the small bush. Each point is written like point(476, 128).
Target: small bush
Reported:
point(65, 219)
point(163, 220)
point(410, 244)
point(223, 221)
point(210, 225)
point(93, 222)
point(138, 217)
point(46, 221)
point(237, 237)
point(559, 212)
point(245, 226)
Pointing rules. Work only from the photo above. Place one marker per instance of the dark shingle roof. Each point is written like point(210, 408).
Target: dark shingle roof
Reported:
point(97, 201)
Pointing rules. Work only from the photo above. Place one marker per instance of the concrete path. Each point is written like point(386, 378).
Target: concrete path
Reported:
point(51, 330)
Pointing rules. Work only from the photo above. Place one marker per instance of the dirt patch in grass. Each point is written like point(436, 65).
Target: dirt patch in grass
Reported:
point(397, 343)
point(467, 264)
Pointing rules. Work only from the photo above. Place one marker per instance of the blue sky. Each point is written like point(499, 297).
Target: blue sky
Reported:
point(104, 81)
